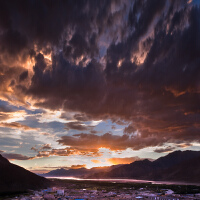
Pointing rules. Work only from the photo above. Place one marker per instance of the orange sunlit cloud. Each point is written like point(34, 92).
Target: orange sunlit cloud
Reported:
point(117, 161)
point(77, 166)
point(96, 161)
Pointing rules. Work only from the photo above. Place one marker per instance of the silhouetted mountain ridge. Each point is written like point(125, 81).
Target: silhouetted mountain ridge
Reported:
point(14, 178)
point(80, 172)
point(3, 160)
point(176, 166)
point(175, 158)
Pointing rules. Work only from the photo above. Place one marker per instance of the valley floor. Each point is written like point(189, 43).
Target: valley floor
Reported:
point(72, 189)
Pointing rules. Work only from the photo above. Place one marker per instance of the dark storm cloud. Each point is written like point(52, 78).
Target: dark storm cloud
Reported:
point(12, 42)
point(15, 156)
point(78, 47)
point(129, 129)
point(110, 141)
point(119, 122)
point(30, 27)
point(9, 77)
point(87, 82)
point(81, 117)
point(160, 96)
point(147, 11)
point(164, 150)
point(23, 75)
point(77, 126)
point(44, 22)
point(148, 77)
point(94, 131)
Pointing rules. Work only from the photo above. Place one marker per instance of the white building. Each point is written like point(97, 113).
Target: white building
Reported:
point(61, 192)
point(169, 192)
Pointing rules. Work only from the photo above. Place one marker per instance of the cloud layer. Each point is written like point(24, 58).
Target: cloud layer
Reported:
point(135, 62)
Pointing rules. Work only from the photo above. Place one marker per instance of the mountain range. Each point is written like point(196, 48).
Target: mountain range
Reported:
point(14, 178)
point(176, 166)
point(80, 172)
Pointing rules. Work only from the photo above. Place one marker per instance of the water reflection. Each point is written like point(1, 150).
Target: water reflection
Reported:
point(125, 181)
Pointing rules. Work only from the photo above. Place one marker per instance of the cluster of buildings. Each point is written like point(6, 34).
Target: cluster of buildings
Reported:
point(117, 194)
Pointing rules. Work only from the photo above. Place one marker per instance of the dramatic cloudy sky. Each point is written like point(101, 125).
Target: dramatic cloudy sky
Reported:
point(94, 83)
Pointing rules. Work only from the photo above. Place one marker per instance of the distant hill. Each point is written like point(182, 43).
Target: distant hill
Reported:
point(176, 166)
point(81, 172)
point(67, 172)
point(17, 179)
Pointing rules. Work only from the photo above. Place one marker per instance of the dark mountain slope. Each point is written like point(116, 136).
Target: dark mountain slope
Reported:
point(188, 171)
point(16, 179)
point(136, 169)
point(175, 157)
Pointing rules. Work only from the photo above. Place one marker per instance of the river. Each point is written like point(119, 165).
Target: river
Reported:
point(126, 181)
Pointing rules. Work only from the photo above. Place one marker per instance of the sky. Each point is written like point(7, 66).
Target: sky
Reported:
point(95, 83)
